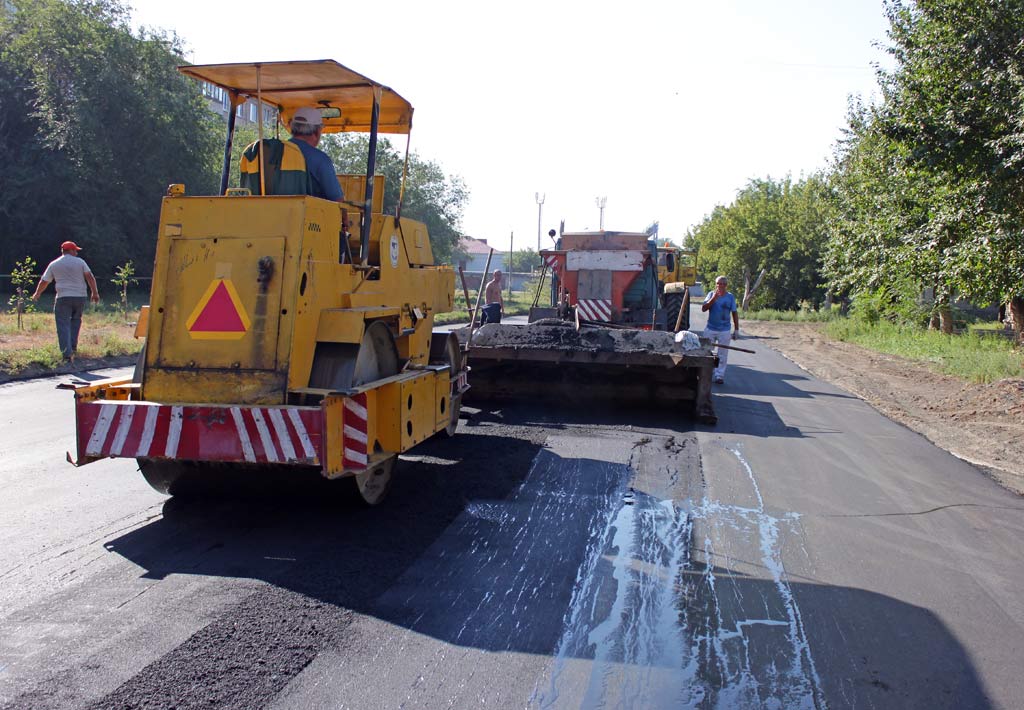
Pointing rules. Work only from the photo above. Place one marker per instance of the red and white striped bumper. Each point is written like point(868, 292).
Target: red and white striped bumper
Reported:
point(460, 384)
point(130, 429)
point(355, 452)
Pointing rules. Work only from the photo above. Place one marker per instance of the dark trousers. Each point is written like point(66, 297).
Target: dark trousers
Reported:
point(491, 313)
point(67, 312)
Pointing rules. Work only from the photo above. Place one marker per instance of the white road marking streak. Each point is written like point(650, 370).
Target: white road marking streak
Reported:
point(127, 415)
point(355, 434)
point(772, 560)
point(300, 428)
point(268, 443)
point(100, 429)
point(174, 433)
point(243, 434)
point(356, 408)
point(636, 642)
point(148, 431)
point(277, 419)
point(665, 620)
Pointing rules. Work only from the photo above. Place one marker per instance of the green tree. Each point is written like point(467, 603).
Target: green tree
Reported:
point(929, 182)
point(771, 236)
point(431, 196)
point(524, 261)
point(98, 122)
point(22, 279)
point(124, 276)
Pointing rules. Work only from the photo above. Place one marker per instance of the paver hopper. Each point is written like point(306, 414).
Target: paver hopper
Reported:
point(606, 335)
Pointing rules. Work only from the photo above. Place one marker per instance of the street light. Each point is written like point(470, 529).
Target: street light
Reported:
point(540, 206)
point(601, 202)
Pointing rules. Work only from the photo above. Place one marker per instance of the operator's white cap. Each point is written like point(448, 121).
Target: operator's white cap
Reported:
point(308, 115)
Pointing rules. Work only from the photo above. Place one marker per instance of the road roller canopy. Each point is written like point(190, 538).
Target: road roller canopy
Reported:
point(345, 97)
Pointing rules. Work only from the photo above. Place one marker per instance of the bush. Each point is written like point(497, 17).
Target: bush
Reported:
point(899, 303)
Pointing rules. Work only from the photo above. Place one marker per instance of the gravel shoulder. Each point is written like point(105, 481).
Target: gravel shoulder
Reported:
point(981, 424)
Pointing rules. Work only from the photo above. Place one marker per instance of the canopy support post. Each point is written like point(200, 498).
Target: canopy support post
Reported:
point(371, 166)
point(226, 170)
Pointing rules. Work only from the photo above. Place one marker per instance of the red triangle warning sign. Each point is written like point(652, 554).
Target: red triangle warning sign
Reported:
point(219, 313)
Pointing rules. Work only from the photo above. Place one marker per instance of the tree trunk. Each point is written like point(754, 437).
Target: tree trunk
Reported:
point(930, 296)
point(748, 290)
point(828, 302)
point(946, 320)
point(1016, 311)
point(945, 313)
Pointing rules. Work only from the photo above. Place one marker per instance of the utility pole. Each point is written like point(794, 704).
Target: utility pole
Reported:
point(508, 271)
point(540, 206)
point(601, 202)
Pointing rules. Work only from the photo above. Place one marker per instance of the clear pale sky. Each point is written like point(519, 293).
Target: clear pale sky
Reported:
point(664, 108)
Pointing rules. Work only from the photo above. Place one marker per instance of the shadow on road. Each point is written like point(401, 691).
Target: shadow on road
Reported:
point(496, 543)
point(555, 416)
point(765, 383)
point(753, 417)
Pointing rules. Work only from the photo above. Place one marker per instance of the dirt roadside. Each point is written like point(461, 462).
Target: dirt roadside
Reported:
point(982, 424)
point(80, 365)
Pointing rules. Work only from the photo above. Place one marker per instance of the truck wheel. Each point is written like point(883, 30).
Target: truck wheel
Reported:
point(674, 303)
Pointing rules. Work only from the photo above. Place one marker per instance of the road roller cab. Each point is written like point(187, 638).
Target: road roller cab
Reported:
point(285, 329)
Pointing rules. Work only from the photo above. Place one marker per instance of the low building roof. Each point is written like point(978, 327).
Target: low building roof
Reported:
point(471, 245)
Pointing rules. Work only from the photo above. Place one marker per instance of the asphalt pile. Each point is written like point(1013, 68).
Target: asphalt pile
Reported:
point(558, 335)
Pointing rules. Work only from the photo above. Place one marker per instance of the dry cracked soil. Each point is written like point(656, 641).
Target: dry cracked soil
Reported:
point(980, 423)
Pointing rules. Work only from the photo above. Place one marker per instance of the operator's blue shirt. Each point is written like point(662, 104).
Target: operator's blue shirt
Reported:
point(323, 181)
point(719, 315)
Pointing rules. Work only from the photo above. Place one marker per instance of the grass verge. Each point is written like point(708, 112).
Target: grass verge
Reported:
point(802, 316)
point(518, 304)
point(33, 349)
point(970, 356)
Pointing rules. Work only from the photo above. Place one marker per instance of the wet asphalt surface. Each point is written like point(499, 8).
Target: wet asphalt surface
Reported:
point(806, 552)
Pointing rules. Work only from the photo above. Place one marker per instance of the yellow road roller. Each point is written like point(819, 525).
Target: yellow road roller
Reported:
point(284, 331)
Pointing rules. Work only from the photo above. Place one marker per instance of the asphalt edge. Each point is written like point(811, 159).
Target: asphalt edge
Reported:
point(1007, 480)
point(39, 372)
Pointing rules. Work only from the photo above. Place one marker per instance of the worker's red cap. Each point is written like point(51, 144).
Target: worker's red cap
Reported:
point(66, 246)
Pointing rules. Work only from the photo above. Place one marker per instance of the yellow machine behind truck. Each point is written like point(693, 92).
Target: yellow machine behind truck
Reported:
point(285, 330)
point(677, 272)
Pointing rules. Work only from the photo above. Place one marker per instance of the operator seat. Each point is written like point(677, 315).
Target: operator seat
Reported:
point(285, 166)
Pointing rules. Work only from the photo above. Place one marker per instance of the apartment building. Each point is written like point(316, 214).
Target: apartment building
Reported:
point(245, 113)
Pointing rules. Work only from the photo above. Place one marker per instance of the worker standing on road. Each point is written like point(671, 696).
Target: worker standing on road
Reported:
point(71, 274)
point(495, 307)
point(306, 127)
point(719, 305)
